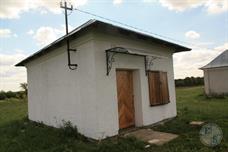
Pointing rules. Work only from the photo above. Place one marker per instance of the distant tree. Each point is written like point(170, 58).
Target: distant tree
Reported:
point(10, 94)
point(2, 95)
point(189, 81)
point(24, 87)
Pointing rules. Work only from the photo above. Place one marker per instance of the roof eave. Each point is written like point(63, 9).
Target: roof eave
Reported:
point(185, 49)
point(205, 68)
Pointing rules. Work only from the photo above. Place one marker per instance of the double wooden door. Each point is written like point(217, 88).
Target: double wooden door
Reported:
point(125, 98)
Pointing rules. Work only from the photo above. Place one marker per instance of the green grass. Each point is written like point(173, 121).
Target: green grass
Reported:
point(18, 134)
point(193, 105)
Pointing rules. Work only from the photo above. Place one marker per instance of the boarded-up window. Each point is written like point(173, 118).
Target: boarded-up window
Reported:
point(158, 88)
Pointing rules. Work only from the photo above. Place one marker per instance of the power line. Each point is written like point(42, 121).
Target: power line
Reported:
point(139, 29)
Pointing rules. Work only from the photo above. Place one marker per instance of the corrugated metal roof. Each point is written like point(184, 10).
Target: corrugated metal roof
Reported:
point(219, 61)
point(85, 26)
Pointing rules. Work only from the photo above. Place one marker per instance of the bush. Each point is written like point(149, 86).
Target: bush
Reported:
point(69, 130)
point(20, 95)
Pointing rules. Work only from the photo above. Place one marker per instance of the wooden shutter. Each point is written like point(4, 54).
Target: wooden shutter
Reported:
point(154, 84)
point(164, 90)
point(158, 88)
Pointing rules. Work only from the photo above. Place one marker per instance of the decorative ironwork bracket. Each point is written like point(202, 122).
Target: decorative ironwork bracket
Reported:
point(109, 60)
point(111, 53)
point(149, 62)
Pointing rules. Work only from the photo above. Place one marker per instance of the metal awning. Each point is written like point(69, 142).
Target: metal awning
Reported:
point(148, 58)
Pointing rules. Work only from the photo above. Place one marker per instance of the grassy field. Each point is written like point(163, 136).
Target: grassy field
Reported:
point(20, 135)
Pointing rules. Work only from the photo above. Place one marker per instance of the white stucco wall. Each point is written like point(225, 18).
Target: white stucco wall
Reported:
point(86, 96)
point(57, 93)
point(216, 81)
point(106, 85)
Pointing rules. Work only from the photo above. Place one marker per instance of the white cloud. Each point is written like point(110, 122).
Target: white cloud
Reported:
point(19, 51)
point(11, 76)
point(149, 1)
point(181, 5)
point(10, 9)
point(188, 63)
point(30, 32)
point(6, 33)
point(192, 35)
point(78, 3)
point(46, 34)
point(116, 2)
point(15, 35)
point(212, 6)
point(217, 6)
point(222, 47)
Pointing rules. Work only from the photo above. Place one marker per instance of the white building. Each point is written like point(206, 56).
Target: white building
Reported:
point(123, 79)
point(216, 75)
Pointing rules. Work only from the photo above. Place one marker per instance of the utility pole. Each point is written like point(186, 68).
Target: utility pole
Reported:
point(70, 65)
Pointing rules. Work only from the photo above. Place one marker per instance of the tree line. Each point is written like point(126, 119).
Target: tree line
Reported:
point(189, 81)
point(19, 94)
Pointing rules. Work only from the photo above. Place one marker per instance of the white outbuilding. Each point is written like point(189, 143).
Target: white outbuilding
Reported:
point(110, 78)
point(216, 75)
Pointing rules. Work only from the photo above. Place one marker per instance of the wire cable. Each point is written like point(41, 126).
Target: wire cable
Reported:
point(139, 29)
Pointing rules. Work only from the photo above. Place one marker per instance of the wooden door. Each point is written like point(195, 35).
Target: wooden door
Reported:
point(125, 98)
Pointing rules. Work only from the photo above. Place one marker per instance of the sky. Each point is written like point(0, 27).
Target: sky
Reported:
point(28, 25)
